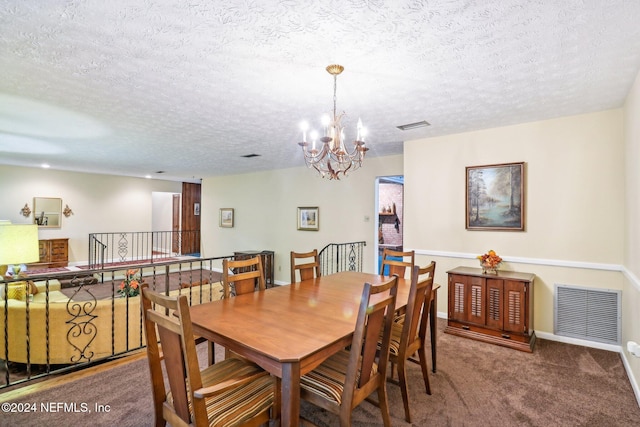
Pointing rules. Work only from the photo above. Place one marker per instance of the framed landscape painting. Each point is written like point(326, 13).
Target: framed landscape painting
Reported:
point(495, 197)
point(308, 219)
point(226, 217)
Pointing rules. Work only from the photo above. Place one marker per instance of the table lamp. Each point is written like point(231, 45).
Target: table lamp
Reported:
point(18, 245)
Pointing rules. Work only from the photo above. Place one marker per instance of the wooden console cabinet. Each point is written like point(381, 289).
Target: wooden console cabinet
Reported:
point(53, 253)
point(493, 308)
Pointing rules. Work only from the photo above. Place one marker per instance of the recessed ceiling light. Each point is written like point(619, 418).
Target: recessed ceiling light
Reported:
point(45, 166)
point(248, 156)
point(148, 176)
point(415, 125)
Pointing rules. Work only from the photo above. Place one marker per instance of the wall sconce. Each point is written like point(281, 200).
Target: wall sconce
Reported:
point(67, 212)
point(25, 211)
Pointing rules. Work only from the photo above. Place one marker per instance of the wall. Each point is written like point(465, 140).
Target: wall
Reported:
point(100, 203)
point(162, 211)
point(266, 203)
point(574, 203)
point(631, 285)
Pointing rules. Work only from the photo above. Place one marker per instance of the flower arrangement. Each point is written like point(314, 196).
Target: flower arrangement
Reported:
point(490, 261)
point(130, 286)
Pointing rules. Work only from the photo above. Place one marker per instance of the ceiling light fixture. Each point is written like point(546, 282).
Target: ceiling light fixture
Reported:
point(333, 158)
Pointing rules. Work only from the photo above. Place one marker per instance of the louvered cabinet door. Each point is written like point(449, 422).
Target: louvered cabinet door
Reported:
point(495, 296)
point(515, 306)
point(476, 309)
point(457, 298)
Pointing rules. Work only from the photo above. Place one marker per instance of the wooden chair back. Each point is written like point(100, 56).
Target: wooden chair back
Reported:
point(179, 353)
point(248, 276)
point(412, 331)
point(307, 270)
point(372, 321)
point(397, 261)
point(416, 320)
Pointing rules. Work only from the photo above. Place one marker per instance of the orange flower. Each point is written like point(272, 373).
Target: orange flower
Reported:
point(130, 286)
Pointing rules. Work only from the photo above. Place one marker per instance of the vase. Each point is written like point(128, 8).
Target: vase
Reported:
point(487, 269)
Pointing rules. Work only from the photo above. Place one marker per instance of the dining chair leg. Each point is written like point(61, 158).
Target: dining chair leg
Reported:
point(383, 403)
point(422, 355)
point(402, 381)
point(211, 352)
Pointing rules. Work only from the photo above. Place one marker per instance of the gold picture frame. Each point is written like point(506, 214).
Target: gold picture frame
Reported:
point(309, 218)
point(226, 217)
point(495, 197)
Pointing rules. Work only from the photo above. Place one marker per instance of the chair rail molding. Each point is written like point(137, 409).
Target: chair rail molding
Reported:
point(524, 260)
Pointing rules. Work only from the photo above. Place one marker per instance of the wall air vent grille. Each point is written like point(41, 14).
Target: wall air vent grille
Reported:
point(587, 313)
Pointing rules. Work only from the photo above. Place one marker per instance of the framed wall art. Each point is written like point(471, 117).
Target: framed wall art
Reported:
point(495, 197)
point(309, 219)
point(226, 217)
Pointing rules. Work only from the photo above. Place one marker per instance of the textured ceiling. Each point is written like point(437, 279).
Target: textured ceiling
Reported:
point(131, 87)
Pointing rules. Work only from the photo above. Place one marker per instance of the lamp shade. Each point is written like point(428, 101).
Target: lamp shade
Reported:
point(19, 244)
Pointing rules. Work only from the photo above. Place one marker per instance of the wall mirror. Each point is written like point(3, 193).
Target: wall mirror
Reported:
point(47, 212)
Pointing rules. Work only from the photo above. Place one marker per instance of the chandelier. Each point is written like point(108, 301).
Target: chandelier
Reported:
point(329, 156)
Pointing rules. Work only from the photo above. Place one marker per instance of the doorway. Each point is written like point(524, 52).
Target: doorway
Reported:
point(389, 220)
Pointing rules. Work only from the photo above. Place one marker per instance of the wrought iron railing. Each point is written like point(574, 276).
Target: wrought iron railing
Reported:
point(78, 318)
point(141, 246)
point(336, 257)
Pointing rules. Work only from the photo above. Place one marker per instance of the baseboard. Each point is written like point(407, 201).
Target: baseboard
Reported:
point(632, 380)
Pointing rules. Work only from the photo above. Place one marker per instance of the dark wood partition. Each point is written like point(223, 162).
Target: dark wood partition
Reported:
point(191, 217)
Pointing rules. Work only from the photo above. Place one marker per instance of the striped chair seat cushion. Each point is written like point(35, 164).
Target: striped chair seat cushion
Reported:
point(396, 337)
point(239, 404)
point(327, 380)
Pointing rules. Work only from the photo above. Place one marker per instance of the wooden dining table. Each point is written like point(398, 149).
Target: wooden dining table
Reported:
point(289, 330)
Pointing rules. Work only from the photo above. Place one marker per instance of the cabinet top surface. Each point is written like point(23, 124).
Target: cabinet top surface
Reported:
point(502, 274)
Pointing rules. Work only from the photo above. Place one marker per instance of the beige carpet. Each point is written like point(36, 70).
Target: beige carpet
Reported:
point(477, 384)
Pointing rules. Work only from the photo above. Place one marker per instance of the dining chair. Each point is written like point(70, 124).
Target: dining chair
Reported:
point(409, 336)
point(397, 262)
point(308, 269)
point(248, 276)
point(344, 380)
point(230, 392)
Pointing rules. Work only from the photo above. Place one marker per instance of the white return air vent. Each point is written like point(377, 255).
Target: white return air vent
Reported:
point(587, 313)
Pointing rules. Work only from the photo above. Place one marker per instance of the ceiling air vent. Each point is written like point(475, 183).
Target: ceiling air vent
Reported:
point(248, 156)
point(415, 125)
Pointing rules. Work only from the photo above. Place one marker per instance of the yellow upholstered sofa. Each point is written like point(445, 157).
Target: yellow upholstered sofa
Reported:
point(78, 331)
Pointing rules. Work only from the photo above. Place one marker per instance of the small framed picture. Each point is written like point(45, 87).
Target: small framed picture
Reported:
point(495, 197)
point(309, 219)
point(196, 209)
point(226, 217)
